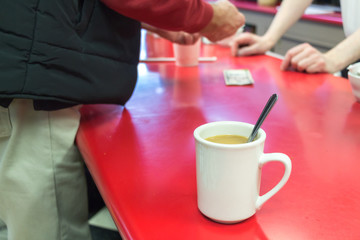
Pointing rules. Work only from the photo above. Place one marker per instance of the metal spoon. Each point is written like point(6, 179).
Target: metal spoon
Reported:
point(263, 115)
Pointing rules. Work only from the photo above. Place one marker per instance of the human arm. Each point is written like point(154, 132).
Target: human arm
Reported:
point(166, 14)
point(225, 22)
point(306, 58)
point(215, 21)
point(290, 11)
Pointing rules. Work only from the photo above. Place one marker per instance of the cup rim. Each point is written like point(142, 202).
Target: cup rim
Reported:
point(351, 71)
point(353, 75)
point(261, 136)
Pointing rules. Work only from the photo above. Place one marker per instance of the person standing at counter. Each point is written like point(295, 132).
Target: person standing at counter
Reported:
point(305, 57)
point(56, 55)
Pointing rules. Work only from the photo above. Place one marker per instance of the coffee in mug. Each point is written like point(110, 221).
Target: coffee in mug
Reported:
point(227, 139)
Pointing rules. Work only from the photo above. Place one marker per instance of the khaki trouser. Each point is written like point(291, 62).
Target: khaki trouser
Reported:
point(42, 183)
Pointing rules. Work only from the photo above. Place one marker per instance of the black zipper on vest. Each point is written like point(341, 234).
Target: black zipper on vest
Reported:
point(29, 53)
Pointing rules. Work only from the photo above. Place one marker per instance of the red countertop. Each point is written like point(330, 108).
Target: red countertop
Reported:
point(142, 156)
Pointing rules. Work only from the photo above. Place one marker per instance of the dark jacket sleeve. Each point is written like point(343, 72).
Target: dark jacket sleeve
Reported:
point(176, 15)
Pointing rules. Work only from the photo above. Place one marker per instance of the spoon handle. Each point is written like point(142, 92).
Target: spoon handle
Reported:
point(263, 115)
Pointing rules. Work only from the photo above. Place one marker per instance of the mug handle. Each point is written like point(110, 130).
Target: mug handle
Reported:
point(271, 157)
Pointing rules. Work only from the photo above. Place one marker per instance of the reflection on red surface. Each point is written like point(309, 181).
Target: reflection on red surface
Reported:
point(142, 156)
point(187, 88)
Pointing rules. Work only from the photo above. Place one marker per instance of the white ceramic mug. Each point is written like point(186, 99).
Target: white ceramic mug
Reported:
point(228, 175)
point(187, 55)
point(354, 78)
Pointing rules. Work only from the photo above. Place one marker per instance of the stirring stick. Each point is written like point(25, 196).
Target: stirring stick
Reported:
point(263, 115)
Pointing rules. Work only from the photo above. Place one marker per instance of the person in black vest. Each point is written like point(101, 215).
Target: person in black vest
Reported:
point(56, 55)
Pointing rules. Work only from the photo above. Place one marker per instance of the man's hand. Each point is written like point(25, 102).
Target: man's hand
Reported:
point(225, 21)
point(175, 37)
point(181, 37)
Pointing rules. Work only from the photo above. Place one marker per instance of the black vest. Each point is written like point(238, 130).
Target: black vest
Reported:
point(66, 52)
